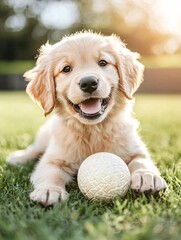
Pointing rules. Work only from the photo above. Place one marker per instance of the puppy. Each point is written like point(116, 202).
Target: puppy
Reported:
point(89, 80)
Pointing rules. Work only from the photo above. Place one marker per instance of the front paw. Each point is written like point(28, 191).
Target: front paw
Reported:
point(17, 157)
point(48, 196)
point(144, 180)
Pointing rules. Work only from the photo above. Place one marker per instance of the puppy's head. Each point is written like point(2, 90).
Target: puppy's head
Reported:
point(84, 76)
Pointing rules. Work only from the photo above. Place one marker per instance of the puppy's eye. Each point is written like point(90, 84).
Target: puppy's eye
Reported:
point(67, 69)
point(102, 63)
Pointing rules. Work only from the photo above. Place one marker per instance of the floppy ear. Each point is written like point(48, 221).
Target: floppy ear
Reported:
point(41, 87)
point(130, 70)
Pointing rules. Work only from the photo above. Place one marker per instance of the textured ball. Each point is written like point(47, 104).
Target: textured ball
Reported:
point(103, 176)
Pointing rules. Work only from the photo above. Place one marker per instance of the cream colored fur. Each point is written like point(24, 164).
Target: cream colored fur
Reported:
point(67, 138)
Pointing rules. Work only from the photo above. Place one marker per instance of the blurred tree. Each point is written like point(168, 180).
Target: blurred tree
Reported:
point(23, 28)
point(17, 44)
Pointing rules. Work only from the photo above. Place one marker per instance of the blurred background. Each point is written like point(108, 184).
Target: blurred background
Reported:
point(150, 27)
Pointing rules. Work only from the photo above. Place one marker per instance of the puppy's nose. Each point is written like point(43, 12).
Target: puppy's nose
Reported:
point(89, 84)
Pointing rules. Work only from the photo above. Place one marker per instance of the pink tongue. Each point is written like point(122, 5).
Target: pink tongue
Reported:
point(91, 106)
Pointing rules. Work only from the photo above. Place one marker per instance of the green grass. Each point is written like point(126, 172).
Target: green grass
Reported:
point(165, 61)
point(15, 67)
point(132, 218)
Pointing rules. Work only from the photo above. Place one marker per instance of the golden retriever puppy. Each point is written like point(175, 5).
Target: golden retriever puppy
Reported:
point(89, 80)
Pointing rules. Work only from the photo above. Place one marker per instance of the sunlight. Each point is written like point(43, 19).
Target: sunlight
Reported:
point(161, 15)
point(168, 16)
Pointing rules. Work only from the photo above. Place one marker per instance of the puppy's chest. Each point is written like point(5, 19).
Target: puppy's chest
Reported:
point(76, 146)
point(102, 142)
point(96, 142)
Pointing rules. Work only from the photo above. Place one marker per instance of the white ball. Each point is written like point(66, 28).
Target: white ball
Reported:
point(103, 176)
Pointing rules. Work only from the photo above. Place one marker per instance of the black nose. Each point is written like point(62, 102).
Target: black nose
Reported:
point(89, 84)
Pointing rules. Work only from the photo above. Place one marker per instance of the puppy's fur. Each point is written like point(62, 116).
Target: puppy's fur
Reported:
point(71, 134)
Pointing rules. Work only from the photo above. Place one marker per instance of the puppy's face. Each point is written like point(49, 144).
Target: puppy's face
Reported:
point(86, 78)
point(83, 75)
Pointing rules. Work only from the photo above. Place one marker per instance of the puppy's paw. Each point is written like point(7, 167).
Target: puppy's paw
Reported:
point(17, 157)
point(48, 196)
point(146, 181)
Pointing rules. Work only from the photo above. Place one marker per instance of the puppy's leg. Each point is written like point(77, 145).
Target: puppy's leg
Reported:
point(34, 150)
point(49, 182)
point(144, 175)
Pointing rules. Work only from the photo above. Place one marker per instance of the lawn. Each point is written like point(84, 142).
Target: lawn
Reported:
point(132, 218)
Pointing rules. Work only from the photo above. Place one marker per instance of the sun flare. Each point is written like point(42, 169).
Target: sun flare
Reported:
point(168, 16)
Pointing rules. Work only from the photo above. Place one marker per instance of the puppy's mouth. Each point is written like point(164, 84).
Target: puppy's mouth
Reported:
point(91, 108)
